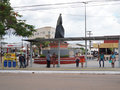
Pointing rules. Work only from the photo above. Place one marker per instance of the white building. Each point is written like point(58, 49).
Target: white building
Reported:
point(44, 32)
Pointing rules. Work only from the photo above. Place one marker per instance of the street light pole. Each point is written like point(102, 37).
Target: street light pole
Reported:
point(85, 36)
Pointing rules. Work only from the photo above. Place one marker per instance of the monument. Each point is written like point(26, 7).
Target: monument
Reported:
point(59, 28)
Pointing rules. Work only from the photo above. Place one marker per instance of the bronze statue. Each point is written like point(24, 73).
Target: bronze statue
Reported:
point(59, 28)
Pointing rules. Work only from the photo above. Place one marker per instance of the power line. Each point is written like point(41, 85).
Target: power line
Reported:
point(48, 8)
point(36, 9)
point(76, 15)
point(48, 5)
point(58, 4)
point(105, 4)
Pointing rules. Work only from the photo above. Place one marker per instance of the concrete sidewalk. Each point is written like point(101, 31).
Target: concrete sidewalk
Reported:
point(65, 70)
point(92, 68)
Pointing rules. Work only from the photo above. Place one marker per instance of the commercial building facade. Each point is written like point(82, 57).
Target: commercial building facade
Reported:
point(44, 32)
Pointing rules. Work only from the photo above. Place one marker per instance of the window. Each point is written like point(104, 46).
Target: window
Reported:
point(48, 32)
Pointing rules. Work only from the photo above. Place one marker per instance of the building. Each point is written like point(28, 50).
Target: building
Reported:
point(108, 46)
point(49, 32)
point(44, 32)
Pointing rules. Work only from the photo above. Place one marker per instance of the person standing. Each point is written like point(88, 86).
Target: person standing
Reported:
point(21, 60)
point(101, 58)
point(48, 57)
point(24, 60)
point(54, 59)
point(82, 61)
point(113, 59)
point(77, 59)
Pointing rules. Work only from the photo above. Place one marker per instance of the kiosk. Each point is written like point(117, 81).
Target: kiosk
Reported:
point(9, 60)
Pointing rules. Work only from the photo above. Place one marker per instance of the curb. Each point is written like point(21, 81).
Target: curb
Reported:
point(61, 72)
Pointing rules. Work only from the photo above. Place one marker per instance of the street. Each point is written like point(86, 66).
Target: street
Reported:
point(58, 82)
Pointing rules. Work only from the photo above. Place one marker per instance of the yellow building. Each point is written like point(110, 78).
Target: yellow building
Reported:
point(106, 45)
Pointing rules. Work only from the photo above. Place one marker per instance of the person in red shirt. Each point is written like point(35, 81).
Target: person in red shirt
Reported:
point(54, 59)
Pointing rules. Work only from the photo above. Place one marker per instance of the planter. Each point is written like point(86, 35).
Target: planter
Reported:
point(69, 60)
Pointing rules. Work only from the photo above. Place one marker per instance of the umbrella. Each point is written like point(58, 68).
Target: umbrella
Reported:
point(59, 28)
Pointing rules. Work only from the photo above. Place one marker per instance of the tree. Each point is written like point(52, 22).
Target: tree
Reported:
point(40, 45)
point(9, 20)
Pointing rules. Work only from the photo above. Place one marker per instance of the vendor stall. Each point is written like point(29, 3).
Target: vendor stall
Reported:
point(9, 60)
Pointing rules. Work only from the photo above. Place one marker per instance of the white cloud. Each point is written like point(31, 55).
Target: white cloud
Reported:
point(101, 20)
point(105, 22)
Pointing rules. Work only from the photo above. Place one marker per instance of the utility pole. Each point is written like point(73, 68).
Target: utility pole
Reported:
point(89, 33)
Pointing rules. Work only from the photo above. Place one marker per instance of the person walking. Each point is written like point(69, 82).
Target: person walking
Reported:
point(48, 57)
point(77, 59)
point(113, 59)
point(54, 59)
point(101, 58)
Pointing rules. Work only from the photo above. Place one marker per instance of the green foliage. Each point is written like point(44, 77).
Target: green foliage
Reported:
point(39, 44)
point(8, 20)
point(65, 56)
point(83, 50)
point(111, 49)
point(42, 56)
point(2, 29)
point(44, 44)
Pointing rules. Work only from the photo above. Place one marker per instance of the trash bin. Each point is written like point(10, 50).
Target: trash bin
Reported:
point(5, 63)
point(9, 63)
point(14, 63)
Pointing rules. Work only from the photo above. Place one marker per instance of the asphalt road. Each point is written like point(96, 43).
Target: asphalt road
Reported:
point(35, 81)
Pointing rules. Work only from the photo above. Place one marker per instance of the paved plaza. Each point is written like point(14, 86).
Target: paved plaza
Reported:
point(91, 65)
point(92, 68)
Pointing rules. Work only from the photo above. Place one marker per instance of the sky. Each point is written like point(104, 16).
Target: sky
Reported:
point(102, 16)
